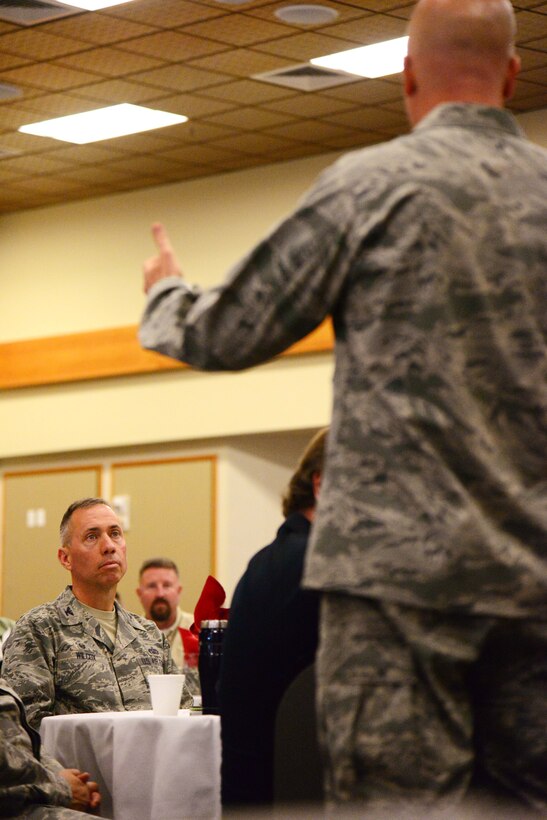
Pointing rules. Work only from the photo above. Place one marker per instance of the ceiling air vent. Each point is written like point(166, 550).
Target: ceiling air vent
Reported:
point(30, 12)
point(306, 77)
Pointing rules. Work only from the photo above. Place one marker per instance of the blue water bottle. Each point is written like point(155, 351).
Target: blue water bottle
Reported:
point(211, 637)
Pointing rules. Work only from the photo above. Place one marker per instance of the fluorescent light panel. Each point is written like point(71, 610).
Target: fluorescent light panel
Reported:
point(103, 123)
point(93, 5)
point(377, 60)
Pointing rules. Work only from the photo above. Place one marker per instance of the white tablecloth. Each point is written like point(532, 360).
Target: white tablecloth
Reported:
point(148, 767)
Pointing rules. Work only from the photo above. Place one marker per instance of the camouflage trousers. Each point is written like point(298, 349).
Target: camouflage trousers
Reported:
point(414, 704)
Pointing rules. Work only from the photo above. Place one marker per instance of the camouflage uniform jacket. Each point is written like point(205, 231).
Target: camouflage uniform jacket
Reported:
point(60, 661)
point(430, 254)
point(27, 777)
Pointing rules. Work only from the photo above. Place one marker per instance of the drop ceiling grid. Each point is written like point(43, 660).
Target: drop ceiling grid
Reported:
point(237, 29)
point(197, 58)
point(191, 105)
point(252, 118)
point(107, 61)
point(241, 62)
point(37, 44)
point(99, 29)
point(309, 105)
point(247, 92)
point(300, 48)
point(531, 26)
point(171, 46)
point(532, 58)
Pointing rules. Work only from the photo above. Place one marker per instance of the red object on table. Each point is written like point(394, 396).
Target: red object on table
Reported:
point(209, 606)
point(190, 642)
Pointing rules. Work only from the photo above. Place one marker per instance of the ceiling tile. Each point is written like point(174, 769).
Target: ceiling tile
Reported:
point(368, 29)
point(309, 105)
point(167, 14)
point(201, 154)
point(239, 29)
point(248, 92)
point(110, 62)
point(98, 29)
point(179, 77)
point(241, 62)
point(57, 77)
point(172, 46)
point(531, 26)
point(303, 47)
point(250, 119)
point(308, 130)
point(250, 143)
point(38, 45)
point(191, 105)
point(110, 92)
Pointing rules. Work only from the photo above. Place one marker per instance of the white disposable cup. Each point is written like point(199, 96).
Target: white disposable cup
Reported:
point(165, 693)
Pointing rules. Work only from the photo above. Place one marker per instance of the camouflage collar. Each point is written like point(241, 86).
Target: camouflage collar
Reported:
point(128, 626)
point(71, 612)
point(468, 115)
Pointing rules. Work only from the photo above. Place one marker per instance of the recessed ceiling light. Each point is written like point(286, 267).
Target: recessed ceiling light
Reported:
point(377, 60)
point(306, 14)
point(93, 5)
point(103, 123)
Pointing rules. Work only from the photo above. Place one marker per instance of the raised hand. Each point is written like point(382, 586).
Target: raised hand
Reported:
point(164, 263)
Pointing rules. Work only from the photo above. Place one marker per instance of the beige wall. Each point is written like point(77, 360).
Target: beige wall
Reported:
point(172, 515)
point(287, 394)
point(32, 573)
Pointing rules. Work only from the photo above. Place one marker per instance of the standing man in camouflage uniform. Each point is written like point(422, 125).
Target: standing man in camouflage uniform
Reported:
point(430, 538)
point(32, 784)
point(83, 652)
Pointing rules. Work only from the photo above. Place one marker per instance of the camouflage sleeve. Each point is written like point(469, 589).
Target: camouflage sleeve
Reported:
point(28, 667)
point(276, 295)
point(170, 668)
point(24, 780)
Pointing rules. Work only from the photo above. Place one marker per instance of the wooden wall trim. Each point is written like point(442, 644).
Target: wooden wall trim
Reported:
point(104, 354)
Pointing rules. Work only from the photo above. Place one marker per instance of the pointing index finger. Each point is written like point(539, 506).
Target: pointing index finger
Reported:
point(161, 238)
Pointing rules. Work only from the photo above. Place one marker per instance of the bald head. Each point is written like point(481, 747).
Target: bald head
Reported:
point(460, 51)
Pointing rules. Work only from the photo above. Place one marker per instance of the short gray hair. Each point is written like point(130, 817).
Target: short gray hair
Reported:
point(81, 504)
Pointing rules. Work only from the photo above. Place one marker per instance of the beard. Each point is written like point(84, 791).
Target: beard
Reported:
point(161, 610)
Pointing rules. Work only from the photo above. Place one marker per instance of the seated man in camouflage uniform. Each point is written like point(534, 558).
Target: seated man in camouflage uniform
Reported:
point(33, 784)
point(83, 652)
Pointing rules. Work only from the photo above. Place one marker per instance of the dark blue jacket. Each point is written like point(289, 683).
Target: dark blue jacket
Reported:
point(271, 636)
